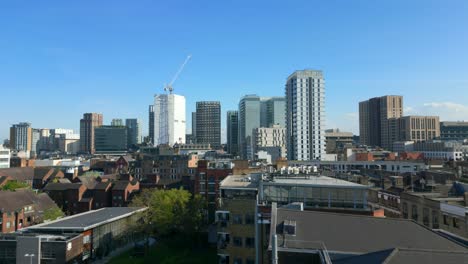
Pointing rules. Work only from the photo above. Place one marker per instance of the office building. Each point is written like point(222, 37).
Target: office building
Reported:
point(378, 120)
point(151, 124)
point(337, 140)
point(208, 123)
point(254, 112)
point(266, 138)
point(419, 128)
point(69, 143)
point(273, 111)
point(110, 139)
point(87, 125)
point(4, 157)
point(134, 131)
point(21, 137)
point(232, 120)
point(453, 130)
point(169, 119)
point(305, 115)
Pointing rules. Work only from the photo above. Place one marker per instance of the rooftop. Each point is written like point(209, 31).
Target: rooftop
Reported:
point(88, 220)
point(356, 234)
point(239, 182)
point(310, 180)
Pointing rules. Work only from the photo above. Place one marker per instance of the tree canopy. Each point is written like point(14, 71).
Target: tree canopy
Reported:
point(170, 211)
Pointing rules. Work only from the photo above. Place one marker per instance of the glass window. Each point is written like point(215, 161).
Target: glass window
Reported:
point(237, 219)
point(237, 241)
point(249, 242)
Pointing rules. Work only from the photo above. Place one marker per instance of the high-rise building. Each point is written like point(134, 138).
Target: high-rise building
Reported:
point(273, 111)
point(271, 140)
point(87, 125)
point(194, 127)
point(110, 139)
point(232, 126)
point(169, 119)
point(21, 137)
point(254, 112)
point(151, 123)
point(117, 122)
point(208, 124)
point(378, 120)
point(134, 131)
point(305, 115)
point(36, 140)
point(418, 128)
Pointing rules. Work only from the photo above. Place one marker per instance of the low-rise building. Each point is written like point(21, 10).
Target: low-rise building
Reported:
point(453, 131)
point(337, 141)
point(20, 209)
point(298, 236)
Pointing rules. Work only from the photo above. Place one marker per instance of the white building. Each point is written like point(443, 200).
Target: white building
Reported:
point(4, 157)
point(169, 119)
point(266, 138)
point(69, 143)
point(305, 115)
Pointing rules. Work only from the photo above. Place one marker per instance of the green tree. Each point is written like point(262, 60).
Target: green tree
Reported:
point(52, 214)
point(170, 212)
point(14, 185)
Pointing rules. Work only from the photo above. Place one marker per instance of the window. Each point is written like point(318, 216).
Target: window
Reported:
point(435, 220)
point(237, 241)
point(405, 210)
point(455, 222)
point(414, 213)
point(446, 220)
point(249, 242)
point(8, 225)
point(237, 219)
point(249, 219)
point(249, 261)
point(426, 216)
point(237, 261)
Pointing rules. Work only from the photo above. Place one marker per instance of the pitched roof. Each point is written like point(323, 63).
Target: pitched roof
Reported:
point(12, 201)
point(356, 234)
point(54, 186)
point(20, 174)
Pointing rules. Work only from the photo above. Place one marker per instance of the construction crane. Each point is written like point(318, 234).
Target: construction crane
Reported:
point(169, 86)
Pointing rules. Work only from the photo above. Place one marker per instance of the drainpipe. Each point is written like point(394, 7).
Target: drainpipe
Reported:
point(274, 249)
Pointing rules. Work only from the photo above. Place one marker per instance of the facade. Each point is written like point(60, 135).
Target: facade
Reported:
point(378, 120)
point(134, 131)
point(151, 123)
point(117, 122)
point(21, 137)
point(110, 139)
point(439, 150)
point(69, 143)
point(305, 115)
point(232, 126)
point(208, 123)
point(87, 125)
point(169, 119)
point(453, 130)
point(337, 140)
point(273, 111)
point(419, 128)
point(4, 157)
point(265, 138)
point(194, 126)
point(35, 141)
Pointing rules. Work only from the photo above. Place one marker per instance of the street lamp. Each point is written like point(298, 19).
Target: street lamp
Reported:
point(30, 256)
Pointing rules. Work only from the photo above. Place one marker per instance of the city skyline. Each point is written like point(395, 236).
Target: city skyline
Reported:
point(120, 64)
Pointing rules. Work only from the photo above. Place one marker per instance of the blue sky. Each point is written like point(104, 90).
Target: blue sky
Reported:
point(59, 59)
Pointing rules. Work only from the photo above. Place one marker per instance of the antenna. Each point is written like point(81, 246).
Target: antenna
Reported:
point(176, 76)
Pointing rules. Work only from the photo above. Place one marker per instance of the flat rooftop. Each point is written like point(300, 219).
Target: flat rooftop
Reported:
point(239, 182)
point(88, 220)
point(321, 181)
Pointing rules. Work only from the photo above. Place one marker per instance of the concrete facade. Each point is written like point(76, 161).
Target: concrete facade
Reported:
point(169, 119)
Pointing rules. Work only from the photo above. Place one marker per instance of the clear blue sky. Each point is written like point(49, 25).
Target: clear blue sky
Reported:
point(59, 59)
